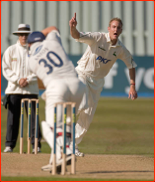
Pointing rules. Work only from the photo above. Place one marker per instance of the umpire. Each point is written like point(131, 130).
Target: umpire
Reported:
point(21, 84)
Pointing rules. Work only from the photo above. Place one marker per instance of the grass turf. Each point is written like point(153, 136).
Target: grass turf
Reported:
point(120, 126)
point(62, 179)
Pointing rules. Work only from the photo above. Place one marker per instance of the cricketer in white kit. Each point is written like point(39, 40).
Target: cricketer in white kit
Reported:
point(51, 64)
point(102, 52)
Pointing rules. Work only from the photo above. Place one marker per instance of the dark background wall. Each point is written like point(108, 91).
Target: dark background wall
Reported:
point(117, 81)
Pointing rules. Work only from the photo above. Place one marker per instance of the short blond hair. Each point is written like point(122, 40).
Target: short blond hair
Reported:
point(116, 19)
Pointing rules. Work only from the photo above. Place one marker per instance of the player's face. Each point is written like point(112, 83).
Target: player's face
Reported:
point(22, 38)
point(115, 30)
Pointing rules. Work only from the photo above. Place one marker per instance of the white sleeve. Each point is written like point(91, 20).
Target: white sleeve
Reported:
point(32, 77)
point(54, 35)
point(127, 58)
point(8, 73)
point(89, 38)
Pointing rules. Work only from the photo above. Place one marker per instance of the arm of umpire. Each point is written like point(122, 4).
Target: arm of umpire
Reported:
point(7, 71)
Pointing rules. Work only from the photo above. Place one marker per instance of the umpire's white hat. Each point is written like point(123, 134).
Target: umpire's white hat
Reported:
point(22, 28)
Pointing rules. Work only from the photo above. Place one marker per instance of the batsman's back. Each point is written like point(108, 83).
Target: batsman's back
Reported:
point(49, 60)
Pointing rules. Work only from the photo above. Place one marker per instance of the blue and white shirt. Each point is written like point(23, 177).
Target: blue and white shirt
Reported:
point(49, 60)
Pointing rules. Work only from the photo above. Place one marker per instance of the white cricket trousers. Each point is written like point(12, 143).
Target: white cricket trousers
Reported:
point(91, 97)
point(62, 90)
point(48, 136)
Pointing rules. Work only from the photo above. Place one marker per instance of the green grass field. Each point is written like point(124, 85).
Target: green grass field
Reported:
point(120, 126)
point(61, 179)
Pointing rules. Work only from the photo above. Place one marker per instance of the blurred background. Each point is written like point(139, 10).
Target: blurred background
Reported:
point(92, 16)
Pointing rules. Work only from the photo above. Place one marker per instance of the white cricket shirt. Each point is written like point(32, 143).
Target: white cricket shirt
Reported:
point(15, 67)
point(100, 55)
point(49, 61)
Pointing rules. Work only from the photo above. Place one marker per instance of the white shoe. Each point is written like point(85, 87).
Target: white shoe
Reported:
point(38, 150)
point(8, 149)
point(78, 153)
point(49, 167)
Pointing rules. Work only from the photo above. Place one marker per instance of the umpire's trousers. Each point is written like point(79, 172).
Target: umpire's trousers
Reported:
point(13, 120)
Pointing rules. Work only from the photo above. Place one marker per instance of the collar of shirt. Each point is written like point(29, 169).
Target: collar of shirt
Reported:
point(25, 45)
point(34, 46)
point(108, 40)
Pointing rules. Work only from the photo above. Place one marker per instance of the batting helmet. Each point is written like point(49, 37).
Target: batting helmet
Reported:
point(35, 37)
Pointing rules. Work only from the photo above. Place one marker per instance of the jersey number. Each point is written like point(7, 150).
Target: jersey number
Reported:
point(51, 61)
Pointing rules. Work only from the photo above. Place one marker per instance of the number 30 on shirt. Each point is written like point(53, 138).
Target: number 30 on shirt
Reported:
point(51, 61)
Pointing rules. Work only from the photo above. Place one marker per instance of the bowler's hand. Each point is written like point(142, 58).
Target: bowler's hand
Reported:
point(132, 93)
point(73, 22)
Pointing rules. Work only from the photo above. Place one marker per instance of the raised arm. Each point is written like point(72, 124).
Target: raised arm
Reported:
point(73, 31)
point(48, 30)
